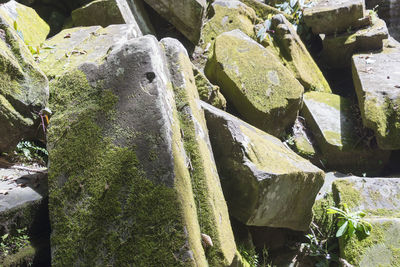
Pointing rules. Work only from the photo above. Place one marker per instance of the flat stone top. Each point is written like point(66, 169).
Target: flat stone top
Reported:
point(329, 5)
point(379, 197)
point(18, 187)
point(379, 73)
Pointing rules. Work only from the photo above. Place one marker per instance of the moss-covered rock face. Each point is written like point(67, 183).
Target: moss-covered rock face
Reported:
point(186, 16)
point(338, 49)
point(31, 28)
point(298, 59)
point(334, 16)
point(262, 90)
point(212, 211)
point(227, 16)
point(23, 87)
point(117, 178)
point(265, 183)
point(99, 12)
point(378, 95)
point(340, 136)
point(207, 91)
point(72, 47)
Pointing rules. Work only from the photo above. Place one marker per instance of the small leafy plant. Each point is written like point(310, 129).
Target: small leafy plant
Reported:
point(28, 151)
point(351, 223)
point(11, 244)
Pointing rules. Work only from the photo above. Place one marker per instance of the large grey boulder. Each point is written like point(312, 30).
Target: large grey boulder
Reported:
point(264, 182)
point(344, 144)
point(186, 16)
point(132, 180)
point(334, 16)
point(379, 95)
point(255, 81)
point(23, 87)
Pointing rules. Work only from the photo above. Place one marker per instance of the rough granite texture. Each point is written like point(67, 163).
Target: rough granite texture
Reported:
point(264, 182)
point(255, 81)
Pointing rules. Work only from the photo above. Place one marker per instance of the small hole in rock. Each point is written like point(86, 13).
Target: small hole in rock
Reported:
point(150, 76)
point(230, 21)
point(212, 38)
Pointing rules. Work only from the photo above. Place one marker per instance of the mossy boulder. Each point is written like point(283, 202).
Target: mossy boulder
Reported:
point(72, 47)
point(207, 91)
point(379, 198)
point(264, 182)
point(338, 49)
point(296, 56)
point(254, 80)
point(23, 87)
point(30, 27)
point(129, 151)
point(340, 136)
point(227, 16)
point(186, 16)
point(333, 16)
point(379, 96)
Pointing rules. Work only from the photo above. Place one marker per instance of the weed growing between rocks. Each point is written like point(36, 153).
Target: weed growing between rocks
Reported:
point(12, 243)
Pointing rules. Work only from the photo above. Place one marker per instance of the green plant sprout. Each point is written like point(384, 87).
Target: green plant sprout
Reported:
point(351, 223)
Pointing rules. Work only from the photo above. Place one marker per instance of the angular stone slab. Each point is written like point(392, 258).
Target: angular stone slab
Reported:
point(297, 57)
point(264, 182)
point(31, 28)
point(207, 91)
point(255, 81)
point(390, 12)
point(186, 16)
point(338, 50)
point(378, 197)
point(341, 139)
point(107, 12)
point(23, 87)
point(72, 47)
point(228, 15)
point(378, 92)
point(334, 16)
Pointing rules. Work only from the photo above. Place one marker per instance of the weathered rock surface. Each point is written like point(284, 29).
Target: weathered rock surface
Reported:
point(388, 11)
point(297, 57)
point(207, 91)
point(254, 80)
point(108, 12)
point(341, 138)
point(228, 15)
point(137, 150)
point(379, 198)
point(212, 210)
point(264, 182)
point(23, 204)
point(338, 49)
point(72, 47)
point(334, 16)
point(186, 16)
point(23, 87)
point(378, 94)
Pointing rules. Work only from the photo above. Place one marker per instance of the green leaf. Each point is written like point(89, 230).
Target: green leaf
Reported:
point(342, 229)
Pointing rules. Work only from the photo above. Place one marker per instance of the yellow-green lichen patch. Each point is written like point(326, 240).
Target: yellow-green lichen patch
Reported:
point(100, 197)
point(304, 147)
point(345, 192)
point(263, 91)
point(212, 211)
point(381, 248)
point(227, 18)
point(25, 20)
